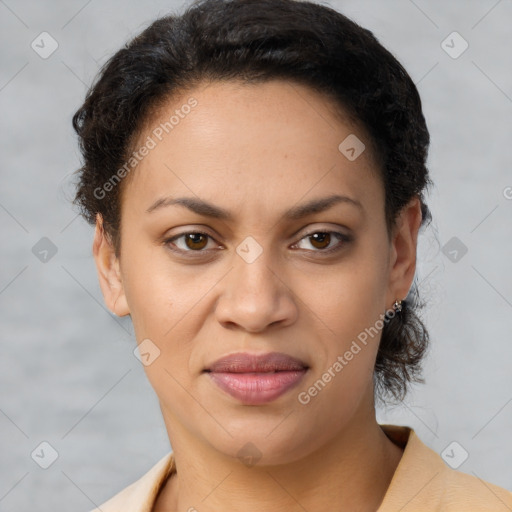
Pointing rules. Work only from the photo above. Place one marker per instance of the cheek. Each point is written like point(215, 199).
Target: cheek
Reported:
point(347, 305)
point(166, 306)
point(156, 294)
point(349, 311)
point(161, 308)
point(350, 297)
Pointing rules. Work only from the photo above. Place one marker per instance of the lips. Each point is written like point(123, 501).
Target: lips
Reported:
point(245, 363)
point(256, 379)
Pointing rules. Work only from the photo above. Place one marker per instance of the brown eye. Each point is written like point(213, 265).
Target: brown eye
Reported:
point(322, 239)
point(188, 242)
point(196, 240)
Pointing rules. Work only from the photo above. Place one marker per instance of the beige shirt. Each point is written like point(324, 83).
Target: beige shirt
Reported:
point(422, 482)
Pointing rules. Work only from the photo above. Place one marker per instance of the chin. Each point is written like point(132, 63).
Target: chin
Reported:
point(265, 442)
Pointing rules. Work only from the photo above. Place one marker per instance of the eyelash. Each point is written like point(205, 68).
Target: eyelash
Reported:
point(343, 237)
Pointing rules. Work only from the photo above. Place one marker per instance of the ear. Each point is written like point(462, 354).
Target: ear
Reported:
point(107, 265)
point(403, 251)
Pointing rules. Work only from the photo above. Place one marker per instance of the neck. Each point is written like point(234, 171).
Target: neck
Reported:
point(351, 472)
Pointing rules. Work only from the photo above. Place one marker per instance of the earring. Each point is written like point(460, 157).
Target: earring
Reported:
point(397, 306)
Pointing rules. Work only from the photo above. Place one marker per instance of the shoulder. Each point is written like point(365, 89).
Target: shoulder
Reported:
point(141, 494)
point(472, 492)
point(423, 481)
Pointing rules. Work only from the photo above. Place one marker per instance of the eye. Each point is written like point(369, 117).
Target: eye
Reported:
point(193, 241)
point(197, 241)
point(322, 240)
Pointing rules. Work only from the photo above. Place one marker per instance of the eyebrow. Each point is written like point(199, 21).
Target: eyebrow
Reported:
point(297, 212)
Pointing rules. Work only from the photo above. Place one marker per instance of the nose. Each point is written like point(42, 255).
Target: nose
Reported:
point(256, 295)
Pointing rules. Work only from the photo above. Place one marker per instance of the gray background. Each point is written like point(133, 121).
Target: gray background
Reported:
point(68, 375)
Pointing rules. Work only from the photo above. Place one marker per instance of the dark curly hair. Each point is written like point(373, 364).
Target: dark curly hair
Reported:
point(255, 41)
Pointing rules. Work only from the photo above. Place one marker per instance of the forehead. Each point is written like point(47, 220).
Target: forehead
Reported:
point(253, 146)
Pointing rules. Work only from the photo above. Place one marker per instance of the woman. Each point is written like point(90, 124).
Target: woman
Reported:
point(256, 173)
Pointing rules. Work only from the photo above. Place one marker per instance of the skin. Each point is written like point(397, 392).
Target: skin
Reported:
point(258, 150)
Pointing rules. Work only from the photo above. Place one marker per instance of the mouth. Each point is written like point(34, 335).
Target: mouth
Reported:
point(257, 379)
point(261, 363)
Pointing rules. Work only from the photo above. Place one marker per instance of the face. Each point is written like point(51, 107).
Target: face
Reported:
point(256, 272)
